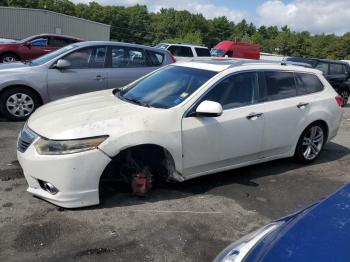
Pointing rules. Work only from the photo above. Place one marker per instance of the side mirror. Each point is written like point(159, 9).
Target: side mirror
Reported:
point(62, 64)
point(209, 108)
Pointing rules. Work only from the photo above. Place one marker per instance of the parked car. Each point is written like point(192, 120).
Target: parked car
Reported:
point(180, 122)
point(336, 72)
point(33, 47)
point(236, 49)
point(185, 52)
point(319, 232)
point(75, 69)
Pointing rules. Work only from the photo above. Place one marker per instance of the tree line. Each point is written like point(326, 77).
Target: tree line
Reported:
point(136, 24)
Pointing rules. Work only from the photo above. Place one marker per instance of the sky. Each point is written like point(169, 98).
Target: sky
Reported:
point(315, 16)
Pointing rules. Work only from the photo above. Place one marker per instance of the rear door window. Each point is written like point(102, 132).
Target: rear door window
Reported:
point(184, 51)
point(279, 85)
point(202, 51)
point(136, 57)
point(58, 42)
point(307, 83)
point(119, 57)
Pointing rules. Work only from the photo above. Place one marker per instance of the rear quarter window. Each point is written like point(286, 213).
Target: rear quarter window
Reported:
point(307, 83)
point(155, 58)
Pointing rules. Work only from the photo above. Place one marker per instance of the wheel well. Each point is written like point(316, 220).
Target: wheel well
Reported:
point(12, 53)
point(24, 86)
point(325, 126)
point(156, 157)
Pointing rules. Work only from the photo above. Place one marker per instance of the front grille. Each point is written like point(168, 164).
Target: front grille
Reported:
point(25, 139)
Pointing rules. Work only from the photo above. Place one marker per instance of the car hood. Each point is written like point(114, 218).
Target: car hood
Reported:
point(88, 115)
point(322, 234)
point(10, 66)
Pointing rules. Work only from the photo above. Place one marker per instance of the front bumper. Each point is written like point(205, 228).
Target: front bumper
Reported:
point(76, 176)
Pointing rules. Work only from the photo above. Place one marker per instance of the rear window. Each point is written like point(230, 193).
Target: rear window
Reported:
point(184, 51)
point(202, 51)
point(280, 85)
point(307, 84)
point(155, 59)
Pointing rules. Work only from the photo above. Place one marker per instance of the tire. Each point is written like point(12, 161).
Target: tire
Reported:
point(8, 58)
point(345, 95)
point(310, 143)
point(18, 103)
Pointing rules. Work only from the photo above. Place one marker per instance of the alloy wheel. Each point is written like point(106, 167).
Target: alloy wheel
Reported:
point(20, 105)
point(312, 142)
point(345, 95)
point(8, 59)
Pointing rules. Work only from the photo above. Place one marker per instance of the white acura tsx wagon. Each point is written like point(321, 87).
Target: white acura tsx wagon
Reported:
point(182, 121)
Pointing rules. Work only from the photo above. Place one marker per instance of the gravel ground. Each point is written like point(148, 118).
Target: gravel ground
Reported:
point(189, 221)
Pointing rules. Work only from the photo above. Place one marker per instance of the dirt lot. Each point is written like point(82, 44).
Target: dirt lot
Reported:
point(191, 221)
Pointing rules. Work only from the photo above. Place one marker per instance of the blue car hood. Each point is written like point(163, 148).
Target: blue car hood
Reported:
point(321, 234)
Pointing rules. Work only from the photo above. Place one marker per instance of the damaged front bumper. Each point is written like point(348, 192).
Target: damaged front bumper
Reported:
point(75, 176)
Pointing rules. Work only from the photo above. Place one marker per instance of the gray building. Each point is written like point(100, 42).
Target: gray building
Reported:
point(18, 23)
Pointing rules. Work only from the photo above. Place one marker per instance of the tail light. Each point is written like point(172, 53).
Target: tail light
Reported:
point(339, 100)
point(173, 58)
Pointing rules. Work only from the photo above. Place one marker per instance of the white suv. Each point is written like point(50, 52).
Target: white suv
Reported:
point(185, 52)
point(179, 122)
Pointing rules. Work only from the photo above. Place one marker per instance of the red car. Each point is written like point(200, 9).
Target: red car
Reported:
point(236, 49)
point(33, 47)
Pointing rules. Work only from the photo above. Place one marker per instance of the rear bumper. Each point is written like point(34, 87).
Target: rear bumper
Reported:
point(76, 176)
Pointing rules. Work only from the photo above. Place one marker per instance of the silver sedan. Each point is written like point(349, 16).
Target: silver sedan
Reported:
point(72, 70)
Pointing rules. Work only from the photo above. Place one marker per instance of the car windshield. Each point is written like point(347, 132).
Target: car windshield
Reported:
point(167, 87)
point(46, 58)
point(217, 52)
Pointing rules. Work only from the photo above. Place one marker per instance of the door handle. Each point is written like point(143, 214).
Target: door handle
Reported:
point(302, 105)
point(99, 78)
point(253, 116)
point(47, 50)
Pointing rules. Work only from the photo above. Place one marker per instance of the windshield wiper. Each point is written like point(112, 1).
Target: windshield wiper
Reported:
point(135, 101)
point(132, 100)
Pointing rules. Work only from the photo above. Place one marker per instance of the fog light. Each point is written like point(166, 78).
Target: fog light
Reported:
point(48, 187)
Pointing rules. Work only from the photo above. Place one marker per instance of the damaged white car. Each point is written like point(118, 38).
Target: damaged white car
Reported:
point(182, 121)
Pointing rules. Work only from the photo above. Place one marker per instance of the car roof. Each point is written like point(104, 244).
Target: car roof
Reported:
point(65, 36)
point(318, 59)
point(218, 65)
point(92, 43)
point(183, 44)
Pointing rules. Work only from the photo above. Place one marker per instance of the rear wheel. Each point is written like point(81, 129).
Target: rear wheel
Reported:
point(8, 58)
point(310, 143)
point(18, 103)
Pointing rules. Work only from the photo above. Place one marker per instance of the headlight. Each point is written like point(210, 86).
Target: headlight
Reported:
point(237, 251)
point(62, 147)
